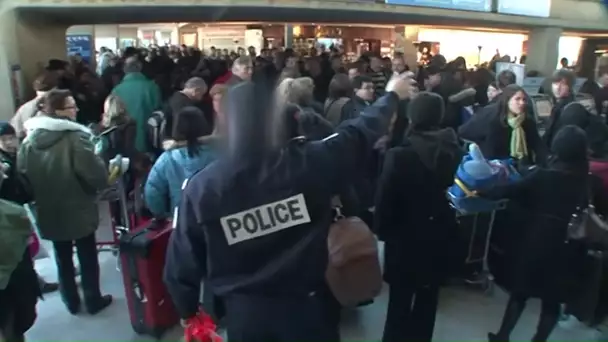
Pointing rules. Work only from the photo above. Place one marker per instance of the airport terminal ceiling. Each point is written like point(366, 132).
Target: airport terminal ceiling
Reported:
point(201, 14)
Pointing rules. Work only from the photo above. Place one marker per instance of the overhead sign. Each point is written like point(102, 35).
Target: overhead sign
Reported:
point(464, 5)
point(536, 8)
point(81, 44)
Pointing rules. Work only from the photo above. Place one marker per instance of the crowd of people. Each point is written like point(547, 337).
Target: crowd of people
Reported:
point(244, 132)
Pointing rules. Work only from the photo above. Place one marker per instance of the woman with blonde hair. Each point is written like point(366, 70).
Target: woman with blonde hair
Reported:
point(298, 91)
point(119, 130)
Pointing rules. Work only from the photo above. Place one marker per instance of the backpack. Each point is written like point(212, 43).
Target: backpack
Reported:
point(333, 110)
point(156, 130)
point(353, 270)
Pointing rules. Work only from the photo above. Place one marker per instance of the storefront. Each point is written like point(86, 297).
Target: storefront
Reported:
point(481, 46)
point(354, 39)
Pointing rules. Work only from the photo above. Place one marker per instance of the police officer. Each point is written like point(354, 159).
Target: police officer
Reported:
point(254, 224)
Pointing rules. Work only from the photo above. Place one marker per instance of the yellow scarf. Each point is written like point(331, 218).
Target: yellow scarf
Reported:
point(518, 147)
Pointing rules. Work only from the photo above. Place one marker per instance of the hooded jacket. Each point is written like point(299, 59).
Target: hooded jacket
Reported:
point(65, 174)
point(163, 189)
point(593, 125)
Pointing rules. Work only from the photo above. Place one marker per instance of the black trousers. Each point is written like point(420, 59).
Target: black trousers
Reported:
point(411, 313)
point(18, 301)
point(281, 319)
point(86, 249)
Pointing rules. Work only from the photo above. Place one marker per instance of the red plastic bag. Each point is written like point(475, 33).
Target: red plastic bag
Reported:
point(201, 328)
point(34, 245)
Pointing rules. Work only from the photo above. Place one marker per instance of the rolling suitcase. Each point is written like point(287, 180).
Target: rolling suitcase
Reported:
point(142, 256)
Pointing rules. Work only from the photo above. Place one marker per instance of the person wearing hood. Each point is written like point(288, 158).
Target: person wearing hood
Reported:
point(597, 131)
point(508, 130)
point(65, 174)
point(414, 219)
point(189, 151)
point(28, 110)
point(255, 223)
point(543, 258)
point(563, 94)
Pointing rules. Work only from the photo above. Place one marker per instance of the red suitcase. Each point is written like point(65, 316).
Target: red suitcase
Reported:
point(142, 256)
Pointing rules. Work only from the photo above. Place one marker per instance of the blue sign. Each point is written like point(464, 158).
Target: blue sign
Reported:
point(464, 5)
point(81, 44)
point(536, 8)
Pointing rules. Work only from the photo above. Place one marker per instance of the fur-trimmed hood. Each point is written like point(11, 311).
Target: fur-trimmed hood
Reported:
point(44, 131)
point(173, 144)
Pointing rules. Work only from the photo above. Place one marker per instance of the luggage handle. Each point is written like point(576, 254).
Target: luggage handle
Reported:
point(156, 224)
point(464, 188)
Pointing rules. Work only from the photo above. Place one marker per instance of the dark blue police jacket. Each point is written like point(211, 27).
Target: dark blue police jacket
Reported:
point(261, 228)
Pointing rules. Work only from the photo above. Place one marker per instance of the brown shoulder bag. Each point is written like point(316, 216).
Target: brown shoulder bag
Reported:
point(353, 271)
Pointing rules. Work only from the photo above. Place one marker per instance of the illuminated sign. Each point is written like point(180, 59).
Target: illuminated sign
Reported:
point(464, 5)
point(536, 8)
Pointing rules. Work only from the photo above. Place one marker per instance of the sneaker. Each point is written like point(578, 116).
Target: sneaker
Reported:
point(48, 287)
point(99, 304)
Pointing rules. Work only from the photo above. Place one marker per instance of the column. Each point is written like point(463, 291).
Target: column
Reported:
point(543, 50)
point(404, 38)
point(26, 45)
point(288, 41)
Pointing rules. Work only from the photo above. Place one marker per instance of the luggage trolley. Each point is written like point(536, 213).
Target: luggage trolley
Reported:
point(485, 279)
point(109, 229)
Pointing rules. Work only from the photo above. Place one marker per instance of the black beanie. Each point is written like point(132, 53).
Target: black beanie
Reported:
point(570, 145)
point(6, 129)
point(425, 111)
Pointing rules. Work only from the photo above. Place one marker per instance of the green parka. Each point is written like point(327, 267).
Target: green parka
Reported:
point(58, 158)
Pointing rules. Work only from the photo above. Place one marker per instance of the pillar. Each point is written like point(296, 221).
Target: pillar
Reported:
point(27, 42)
point(288, 41)
point(404, 38)
point(543, 50)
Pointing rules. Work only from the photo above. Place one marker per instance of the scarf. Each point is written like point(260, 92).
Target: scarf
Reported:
point(519, 147)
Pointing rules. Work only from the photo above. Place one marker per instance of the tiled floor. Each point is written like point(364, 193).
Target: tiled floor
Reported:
point(464, 315)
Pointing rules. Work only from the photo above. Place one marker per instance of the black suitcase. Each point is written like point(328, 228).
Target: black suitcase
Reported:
point(588, 304)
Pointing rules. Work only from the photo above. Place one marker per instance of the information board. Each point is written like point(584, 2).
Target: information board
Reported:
point(536, 8)
point(80, 44)
point(465, 5)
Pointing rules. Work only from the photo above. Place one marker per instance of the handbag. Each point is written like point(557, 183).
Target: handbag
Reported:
point(353, 270)
point(586, 225)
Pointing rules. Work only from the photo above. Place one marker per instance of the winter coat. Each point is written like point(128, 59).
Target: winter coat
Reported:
point(141, 97)
point(412, 214)
point(163, 188)
point(65, 174)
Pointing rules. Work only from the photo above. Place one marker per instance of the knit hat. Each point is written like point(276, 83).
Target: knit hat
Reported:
point(6, 129)
point(570, 145)
point(574, 114)
point(425, 111)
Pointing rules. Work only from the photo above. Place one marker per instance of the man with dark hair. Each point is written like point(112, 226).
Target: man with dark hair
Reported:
point(141, 96)
point(506, 78)
point(563, 94)
point(364, 92)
